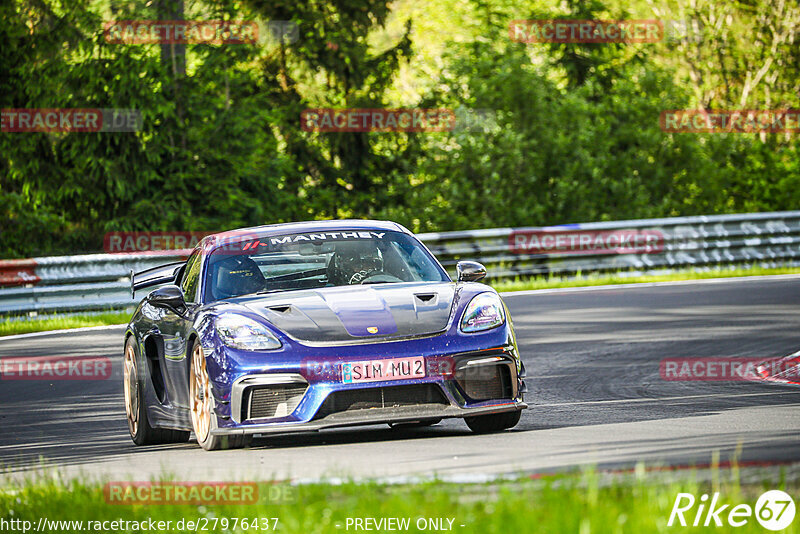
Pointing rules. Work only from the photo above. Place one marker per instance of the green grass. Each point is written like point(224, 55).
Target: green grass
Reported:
point(577, 503)
point(23, 325)
point(550, 282)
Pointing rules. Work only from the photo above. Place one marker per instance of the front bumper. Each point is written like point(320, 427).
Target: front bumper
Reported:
point(307, 385)
point(456, 386)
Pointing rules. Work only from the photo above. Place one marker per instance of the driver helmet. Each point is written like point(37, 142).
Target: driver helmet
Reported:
point(355, 261)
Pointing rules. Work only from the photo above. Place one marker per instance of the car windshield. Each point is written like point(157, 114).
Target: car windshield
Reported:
point(314, 260)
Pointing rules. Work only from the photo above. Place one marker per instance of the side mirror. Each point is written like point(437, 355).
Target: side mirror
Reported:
point(170, 297)
point(470, 271)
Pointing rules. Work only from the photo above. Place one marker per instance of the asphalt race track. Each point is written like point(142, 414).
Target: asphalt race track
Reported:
point(594, 387)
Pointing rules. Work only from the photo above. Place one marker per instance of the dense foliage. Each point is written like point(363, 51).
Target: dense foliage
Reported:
point(568, 132)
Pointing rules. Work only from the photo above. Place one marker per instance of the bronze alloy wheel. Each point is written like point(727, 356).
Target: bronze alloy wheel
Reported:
point(200, 394)
point(131, 378)
point(204, 419)
point(134, 384)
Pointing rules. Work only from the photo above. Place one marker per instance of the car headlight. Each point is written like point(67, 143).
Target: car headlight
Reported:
point(246, 334)
point(484, 312)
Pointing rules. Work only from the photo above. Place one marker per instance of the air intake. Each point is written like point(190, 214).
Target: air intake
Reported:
point(485, 382)
point(277, 400)
point(381, 397)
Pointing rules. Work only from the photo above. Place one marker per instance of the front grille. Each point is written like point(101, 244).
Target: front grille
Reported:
point(381, 397)
point(272, 401)
point(485, 382)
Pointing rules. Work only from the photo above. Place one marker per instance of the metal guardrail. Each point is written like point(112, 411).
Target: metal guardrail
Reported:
point(74, 283)
point(766, 239)
point(101, 281)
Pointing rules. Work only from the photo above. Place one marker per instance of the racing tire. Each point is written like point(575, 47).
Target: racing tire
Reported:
point(202, 405)
point(142, 433)
point(485, 424)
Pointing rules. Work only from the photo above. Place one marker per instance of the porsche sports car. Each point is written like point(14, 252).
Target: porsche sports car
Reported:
point(306, 326)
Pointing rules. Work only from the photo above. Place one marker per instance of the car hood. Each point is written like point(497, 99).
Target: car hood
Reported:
point(358, 312)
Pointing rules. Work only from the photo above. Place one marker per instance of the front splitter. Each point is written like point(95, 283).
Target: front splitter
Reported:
point(373, 416)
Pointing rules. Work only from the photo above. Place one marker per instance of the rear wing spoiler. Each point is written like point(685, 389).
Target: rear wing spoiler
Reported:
point(163, 274)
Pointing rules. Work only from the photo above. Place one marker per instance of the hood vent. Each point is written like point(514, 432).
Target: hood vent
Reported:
point(351, 313)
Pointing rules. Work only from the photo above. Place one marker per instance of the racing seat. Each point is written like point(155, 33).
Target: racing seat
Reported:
point(335, 278)
point(237, 275)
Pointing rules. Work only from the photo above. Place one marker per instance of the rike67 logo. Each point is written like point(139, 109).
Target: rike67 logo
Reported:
point(774, 510)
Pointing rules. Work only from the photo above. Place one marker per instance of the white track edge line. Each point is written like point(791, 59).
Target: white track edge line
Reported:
point(640, 285)
point(62, 331)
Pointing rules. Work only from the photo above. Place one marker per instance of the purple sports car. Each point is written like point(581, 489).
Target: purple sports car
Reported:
point(305, 326)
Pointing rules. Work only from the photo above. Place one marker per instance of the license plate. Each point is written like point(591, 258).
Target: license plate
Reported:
point(375, 370)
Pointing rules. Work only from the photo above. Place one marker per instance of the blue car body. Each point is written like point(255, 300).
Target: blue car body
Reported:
point(303, 385)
